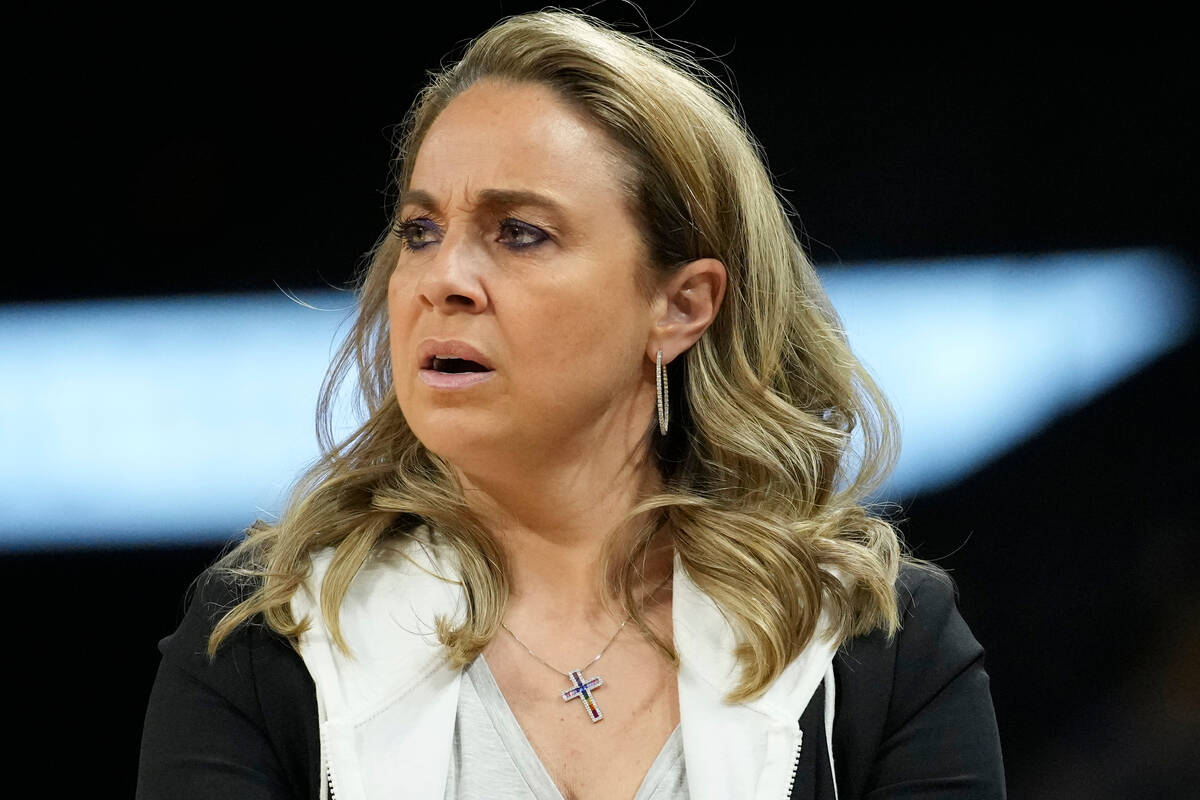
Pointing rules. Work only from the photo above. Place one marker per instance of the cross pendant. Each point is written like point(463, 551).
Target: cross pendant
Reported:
point(583, 690)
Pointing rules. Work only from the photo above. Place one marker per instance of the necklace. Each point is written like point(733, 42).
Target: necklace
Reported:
point(582, 687)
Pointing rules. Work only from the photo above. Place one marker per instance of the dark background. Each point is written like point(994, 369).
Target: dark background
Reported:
point(203, 150)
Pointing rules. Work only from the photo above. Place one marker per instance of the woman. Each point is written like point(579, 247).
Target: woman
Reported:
point(598, 536)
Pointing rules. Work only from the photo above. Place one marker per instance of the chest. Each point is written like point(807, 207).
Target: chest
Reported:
point(639, 702)
point(388, 714)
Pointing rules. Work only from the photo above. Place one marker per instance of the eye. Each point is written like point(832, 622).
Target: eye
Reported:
point(415, 233)
point(520, 235)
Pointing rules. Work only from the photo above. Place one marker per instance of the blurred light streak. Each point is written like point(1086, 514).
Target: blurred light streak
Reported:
point(977, 355)
point(176, 420)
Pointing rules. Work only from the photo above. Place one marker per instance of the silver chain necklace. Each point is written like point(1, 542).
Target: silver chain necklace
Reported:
point(582, 687)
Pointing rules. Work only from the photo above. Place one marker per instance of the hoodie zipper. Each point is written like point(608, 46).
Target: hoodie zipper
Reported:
point(795, 761)
point(328, 766)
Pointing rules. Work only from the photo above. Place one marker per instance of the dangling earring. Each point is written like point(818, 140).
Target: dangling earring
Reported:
point(664, 410)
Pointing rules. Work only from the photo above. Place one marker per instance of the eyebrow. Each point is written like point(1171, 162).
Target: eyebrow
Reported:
point(488, 198)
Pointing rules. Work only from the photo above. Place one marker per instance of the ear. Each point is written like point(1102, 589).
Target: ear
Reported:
point(685, 305)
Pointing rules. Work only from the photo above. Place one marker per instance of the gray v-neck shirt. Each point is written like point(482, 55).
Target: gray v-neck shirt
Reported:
point(492, 757)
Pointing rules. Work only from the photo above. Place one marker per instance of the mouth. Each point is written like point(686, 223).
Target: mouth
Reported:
point(453, 373)
point(453, 366)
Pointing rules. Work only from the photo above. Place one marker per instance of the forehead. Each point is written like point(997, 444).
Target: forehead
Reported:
point(515, 136)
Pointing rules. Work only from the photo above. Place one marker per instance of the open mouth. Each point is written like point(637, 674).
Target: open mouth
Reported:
point(455, 365)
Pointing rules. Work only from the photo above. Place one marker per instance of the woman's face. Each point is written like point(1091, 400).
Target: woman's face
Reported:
point(519, 244)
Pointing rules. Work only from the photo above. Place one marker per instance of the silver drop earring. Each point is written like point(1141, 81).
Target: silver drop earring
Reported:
point(664, 411)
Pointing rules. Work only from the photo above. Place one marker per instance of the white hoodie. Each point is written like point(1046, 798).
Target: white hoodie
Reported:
point(387, 714)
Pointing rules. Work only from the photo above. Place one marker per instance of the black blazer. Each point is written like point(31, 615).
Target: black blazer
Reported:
point(914, 716)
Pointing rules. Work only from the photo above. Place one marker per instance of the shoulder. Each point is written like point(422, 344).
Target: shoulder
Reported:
point(250, 648)
point(874, 670)
point(923, 693)
point(255, 692)
point(209, 597)
point(932, 632)
point(933, 644)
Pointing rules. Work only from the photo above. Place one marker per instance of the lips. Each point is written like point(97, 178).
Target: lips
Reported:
point(452, 380)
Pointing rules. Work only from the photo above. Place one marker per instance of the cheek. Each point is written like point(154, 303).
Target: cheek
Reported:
point(401, 291)
point(592, 342)
point(399, 303)
point(398, 288)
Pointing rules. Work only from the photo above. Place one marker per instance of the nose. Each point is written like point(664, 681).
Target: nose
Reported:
point(450, 281)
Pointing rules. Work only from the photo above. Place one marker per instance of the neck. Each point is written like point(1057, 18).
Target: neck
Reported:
point(553, 524)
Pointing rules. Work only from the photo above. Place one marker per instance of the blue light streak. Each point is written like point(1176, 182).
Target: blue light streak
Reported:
point(176, 420)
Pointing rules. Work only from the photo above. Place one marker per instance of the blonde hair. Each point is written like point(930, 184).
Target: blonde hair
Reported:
point(760, 488)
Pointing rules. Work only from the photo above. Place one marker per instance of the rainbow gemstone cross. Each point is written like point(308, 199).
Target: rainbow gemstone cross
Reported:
point(583, 690)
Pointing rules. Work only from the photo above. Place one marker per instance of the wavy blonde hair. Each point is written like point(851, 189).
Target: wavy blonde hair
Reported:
point(760, 488)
